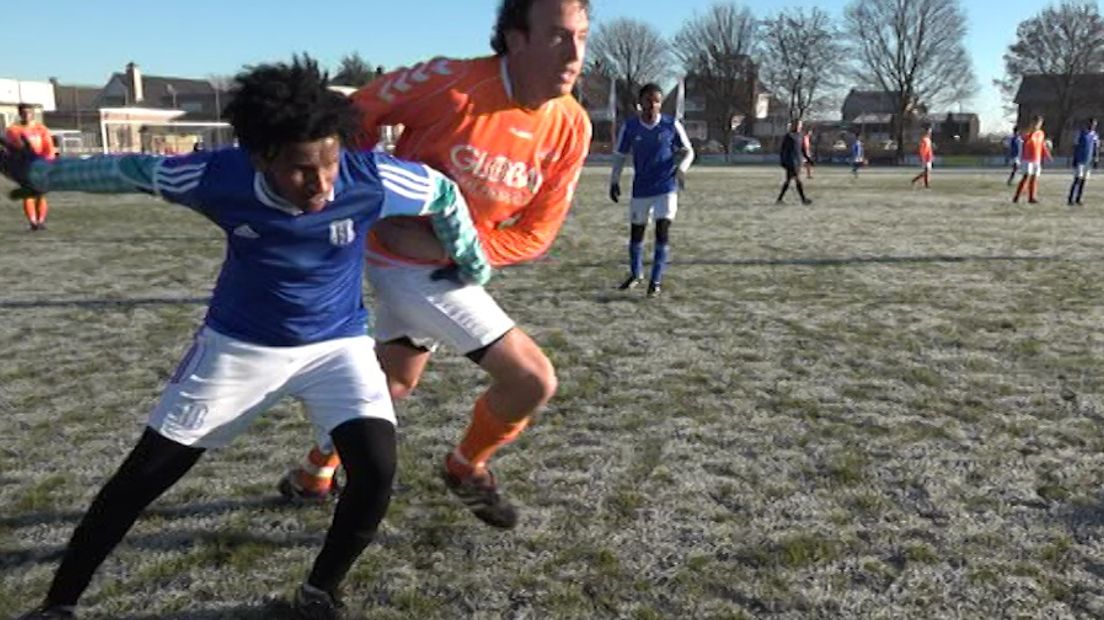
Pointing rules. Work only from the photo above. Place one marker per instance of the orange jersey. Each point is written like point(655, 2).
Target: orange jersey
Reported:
point(1035, 146)
point(42, 143)
point(516, 167)
point(926, 149)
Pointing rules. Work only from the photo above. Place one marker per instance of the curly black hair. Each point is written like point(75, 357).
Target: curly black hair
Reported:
point(514, 15)
point(276, 104)
point(647, 89)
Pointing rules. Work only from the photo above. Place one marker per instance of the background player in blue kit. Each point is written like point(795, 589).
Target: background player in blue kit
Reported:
point(661, 156)
point(1015, 151)
point(1084, 159)
point(858, 155)
point(286, 317)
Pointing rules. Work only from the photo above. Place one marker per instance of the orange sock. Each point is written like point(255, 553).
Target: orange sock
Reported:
point(43, 208)
point(485, 435)
point(317, 471)
point(29, 210)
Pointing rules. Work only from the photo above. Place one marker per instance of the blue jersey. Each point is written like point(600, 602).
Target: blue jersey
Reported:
point(856, 150)
point(1015, 146)
point(1085, 151)
point(653, 149)
point(290, 277)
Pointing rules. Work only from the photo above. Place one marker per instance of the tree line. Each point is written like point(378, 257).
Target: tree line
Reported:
point(914, 50)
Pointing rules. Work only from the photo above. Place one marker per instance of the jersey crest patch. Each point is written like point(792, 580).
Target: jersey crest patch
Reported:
point(342, 232)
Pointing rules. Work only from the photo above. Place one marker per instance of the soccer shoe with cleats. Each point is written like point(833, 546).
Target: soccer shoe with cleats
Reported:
point(312, 603)
point(292, 489)
point(479, 492)
point(630, 282)
point(654, 289)
point(806, 201)
point(49, 613)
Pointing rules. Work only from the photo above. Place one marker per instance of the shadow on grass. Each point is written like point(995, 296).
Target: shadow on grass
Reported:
point(276, 610)
point(171, 511)
point(818, 261)
point(104, 303)
point(172, 540)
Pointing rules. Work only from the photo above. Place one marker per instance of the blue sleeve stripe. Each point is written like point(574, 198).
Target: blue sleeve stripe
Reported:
point(175, 170)
point(417, 187)
point(420, 196)
point(177, 180)
point(405, 172)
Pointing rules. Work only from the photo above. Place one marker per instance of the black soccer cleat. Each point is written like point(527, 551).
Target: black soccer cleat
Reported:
point(49, 612)
point(293, 491)
point(630, 282)
point(479, 492)
point(314, 604)
point(654, 289)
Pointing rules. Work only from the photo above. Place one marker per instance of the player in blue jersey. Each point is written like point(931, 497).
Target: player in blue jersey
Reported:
point(286, 316)
point(1015, 151)
point(661, 156)
point(1084, 160)
point(858, 155)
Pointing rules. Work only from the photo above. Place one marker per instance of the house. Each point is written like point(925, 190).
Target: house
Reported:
point(593, 91)
point(751, 112)
point(158, 114)
point(75, 121)
point(1039, 94)
point(200, 100)
point(951, 127)
point(39, 95)
point(875, 114)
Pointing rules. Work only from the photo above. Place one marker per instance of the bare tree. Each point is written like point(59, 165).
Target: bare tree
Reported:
point(1060, 45)
point(715, 50)
point(912, 49)
point(801, 58)
point(353, 71)
point(631, 52)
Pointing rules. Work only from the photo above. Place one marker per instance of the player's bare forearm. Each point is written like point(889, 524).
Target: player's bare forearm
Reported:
point(410, 237)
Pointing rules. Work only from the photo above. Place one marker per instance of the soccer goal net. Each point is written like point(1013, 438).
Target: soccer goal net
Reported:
point(163, 137)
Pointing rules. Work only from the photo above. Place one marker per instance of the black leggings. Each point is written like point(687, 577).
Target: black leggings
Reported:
point(662, 231)
point(367, 448)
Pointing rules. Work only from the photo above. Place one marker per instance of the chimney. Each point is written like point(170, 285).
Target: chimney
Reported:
point(134, 83)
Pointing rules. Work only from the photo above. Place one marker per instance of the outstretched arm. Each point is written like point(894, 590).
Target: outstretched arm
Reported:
point(174, 179)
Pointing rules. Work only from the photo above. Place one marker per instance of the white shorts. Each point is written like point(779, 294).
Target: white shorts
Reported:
point(408, 304)
point(1015, 161)
point(927, 165)
point(1033, 168)
point(663, 207)
point(1082, 171)
point(222, 384)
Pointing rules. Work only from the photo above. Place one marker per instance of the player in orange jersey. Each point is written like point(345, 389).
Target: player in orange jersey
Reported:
point(926, 153)
point(41, 142)
point(1035, 149)
point(507, 130)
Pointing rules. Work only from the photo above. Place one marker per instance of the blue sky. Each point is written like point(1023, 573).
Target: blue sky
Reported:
point(91, 40)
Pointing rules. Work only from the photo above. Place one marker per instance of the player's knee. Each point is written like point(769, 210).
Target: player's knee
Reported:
point(537, 381)
point(401, 387)
point(663, 229)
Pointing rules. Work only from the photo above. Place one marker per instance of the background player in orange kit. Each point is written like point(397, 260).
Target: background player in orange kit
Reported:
point(508, 131)
point(927, 155)
point(42, 144)
point(1035, 149)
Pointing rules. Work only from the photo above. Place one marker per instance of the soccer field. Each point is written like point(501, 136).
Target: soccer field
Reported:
point(886, 404)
